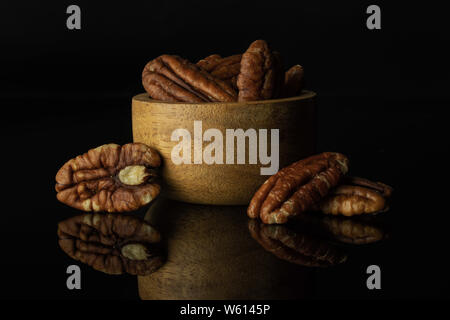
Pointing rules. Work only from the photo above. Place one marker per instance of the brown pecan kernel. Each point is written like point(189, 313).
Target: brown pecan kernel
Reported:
point(295, 247)
point(109, 178)
point(162, 88)
point(293, 81)
point(210, 62)
point(356, 196)
point(222, 68)
point(259, 73)
point(297, 188)
point(110, 243)
point(172, 78)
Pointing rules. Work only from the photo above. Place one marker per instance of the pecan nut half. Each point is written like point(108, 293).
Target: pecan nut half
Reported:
point(172, 78)
point(226, 69)
point(259, 76)
point(111, 243)
point(293, 81)
point(295, 247)
point(222, 68)
point(110, 178)
point(297, 188)
point(356, 196)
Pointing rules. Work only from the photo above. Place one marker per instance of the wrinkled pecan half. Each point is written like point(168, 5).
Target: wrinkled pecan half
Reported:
point(293, 81)
point(226, 69)
point(356, 196)
point(110, 178)
point(351, 231)
point(222, 68)
point(298, 187)
point(210, 62)
point(259, 76)
point(172, 78)
point(111, 243)
point(295, 247)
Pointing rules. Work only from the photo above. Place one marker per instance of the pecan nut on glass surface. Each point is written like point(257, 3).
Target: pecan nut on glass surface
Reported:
point(174, 79)
point(110, 178)
point(297, 188)
point(356, 196)
point(295, 247)
point(259, 77)
point(112, 243)
point(293, 81)
point(222, 68)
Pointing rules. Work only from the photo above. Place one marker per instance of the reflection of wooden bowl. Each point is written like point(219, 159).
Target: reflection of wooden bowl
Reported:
point(227, 184)
point(211, 255)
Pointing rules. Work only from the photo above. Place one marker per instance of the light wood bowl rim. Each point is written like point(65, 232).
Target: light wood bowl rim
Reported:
point(305, 95)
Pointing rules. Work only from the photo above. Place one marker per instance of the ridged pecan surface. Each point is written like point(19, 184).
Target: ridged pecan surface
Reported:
point(260, 73)
point(293, 81)
point(109, 178)
point(222, 68)
point(356, 196)
point(174, 79)
point(297, 188)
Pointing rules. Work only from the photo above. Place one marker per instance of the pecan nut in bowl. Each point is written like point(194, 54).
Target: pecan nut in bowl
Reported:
point(297, 188)
point(222, 68)
point(259, 77)
point(210, 62)
point(110, 178)
point(293, 81)
point(356, 196)
point(111, 243)
point(174, 79)
point(295, 246)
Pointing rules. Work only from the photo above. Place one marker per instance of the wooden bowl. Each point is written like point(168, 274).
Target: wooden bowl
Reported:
point(211, 255)
point(154, 123)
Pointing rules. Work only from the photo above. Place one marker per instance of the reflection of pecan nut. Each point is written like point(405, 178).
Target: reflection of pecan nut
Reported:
point(356, 196)
point(295, 247)
point(351, 231)
point(172, 78)
point(109, 178)
point(298, 187)
point(111, 243)
point(293, 81)
point(259, 74)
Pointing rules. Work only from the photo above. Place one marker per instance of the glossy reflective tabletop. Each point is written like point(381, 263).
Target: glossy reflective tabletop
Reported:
point(217, 252)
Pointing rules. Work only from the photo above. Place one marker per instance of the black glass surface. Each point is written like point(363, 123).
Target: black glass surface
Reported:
point(383, 101)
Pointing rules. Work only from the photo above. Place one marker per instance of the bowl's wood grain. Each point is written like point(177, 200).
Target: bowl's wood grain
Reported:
point(211, 255)
point(223, 184)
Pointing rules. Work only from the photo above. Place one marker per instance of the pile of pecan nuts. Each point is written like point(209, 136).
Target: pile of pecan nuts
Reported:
point(112, 180)
point(118, 179)
point(317, 183)
point(257, 74)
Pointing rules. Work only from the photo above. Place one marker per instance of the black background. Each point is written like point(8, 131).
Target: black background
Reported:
point(382, 95)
